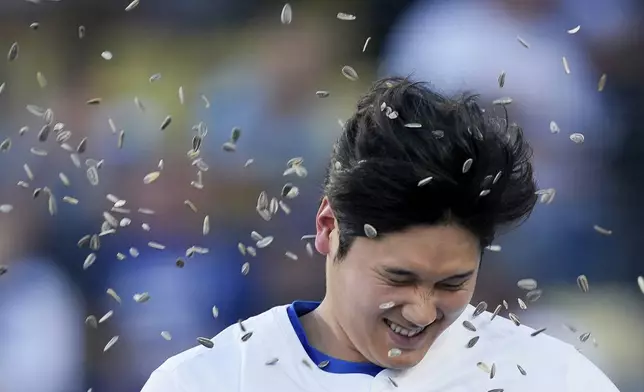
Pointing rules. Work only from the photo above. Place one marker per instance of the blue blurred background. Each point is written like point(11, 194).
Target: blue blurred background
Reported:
point(261, 75)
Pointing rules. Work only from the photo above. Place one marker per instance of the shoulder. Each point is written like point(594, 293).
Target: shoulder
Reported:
point(202, 368)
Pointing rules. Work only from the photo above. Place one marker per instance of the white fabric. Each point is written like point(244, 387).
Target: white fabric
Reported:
point(236, 366)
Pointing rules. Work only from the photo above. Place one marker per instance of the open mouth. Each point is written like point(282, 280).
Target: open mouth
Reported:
point(402, 331)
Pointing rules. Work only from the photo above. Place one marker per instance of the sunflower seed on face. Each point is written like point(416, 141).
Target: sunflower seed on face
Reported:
point(246, 336)
point(151, 177)
point(496, 312)
point(271, 361)
point(370, 231)
point(366, 42)
point(527, 284)
point(89, 260)
point(467, 165)
point(90, 321)
point(480, 308)
point(584, 337)
point(350, 73)
point(602, 230)
point(245, 268)
point(166, 335)
point(344, 16)
point(640, 283)
point(106, 317)
point(514, 319)
point(469, 326)
point(287, 14)
point(132, 5)
point(472, 342)
point(141, 298)
point(14, 50)
point(264, 242)
point(602, 83)
point(582, 282)
point(207, 343)
point(537, 332)
point(394, 352)
point(387, 305)
point(523, 42)
point(577, 138)
point(309, 249)
point(81, 32)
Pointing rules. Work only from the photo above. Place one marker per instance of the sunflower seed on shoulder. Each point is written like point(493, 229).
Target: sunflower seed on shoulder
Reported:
point(207, 343)
point(480, 308)
point(469, 326)
point(538, 332)
point(472, 342)
point(246, 336)
point(271, 362)
point(515, 319)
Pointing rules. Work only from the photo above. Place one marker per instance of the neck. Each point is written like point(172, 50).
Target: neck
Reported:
point(325, 334)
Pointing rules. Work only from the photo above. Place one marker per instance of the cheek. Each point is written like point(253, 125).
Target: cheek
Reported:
point(453, 304)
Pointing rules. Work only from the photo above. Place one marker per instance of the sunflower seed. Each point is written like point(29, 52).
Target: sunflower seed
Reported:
point(94, 101)
point(493, 248)
point(306, 363)
point(496, 312)
point(345, 16)
point(483, 366)
point(493, 371)
point(522, 371)
point(496, 390)
point(584, 337)
point(90, 321)
point(34, 26)
point(70, 200)
point(271, 362)
point(132, 5)
point(156, 245)
point(527, 284)
point(2, 86)
point(287, 14)
point(6, 208)
point(82, 146)
point(577, 138)
point(120, 256)
point(322, 94)
point(394, 352)
point(480, 308)
point(83, 241)
point(522, 304)
point(264, 242)
point(44, 133)
point(151, 177)
point(537, 332)
point(141, 298)
point(207, 343)
point(14, 50)
point(484, 192)
point(181, 95)
point(582, 282)
point(350, 73)
point(246, 336)
point(38, 152)
point(190, 205)
point(640, 283)
point(514, 319)
point(472, 342)
point(309, 249)
point(391, 380)
point(291, 255)
point(165, 123)
point(574, 29)
point(570, 328)
point(106, 317)
point(206, 225)
point(81, 32)
point(92, 175)
point(392, 115)
point(146, 211)
point(23, 130)
point(205, 101)
point(533, 295)
point(602, 230)
point(139, 104)
point(523, 42)
point(502, 101)
point(113, 294)
point(125, 222)
point(366, 42)
point(387, 305)
point(241, 325)
point(602, 83)
point(134, 252)
point(215, 312)
point(166, 335)
point(323, 364)
point(245, 268)
point(89, 260)
point(467, 165)
point(229, 147)
point(107, 55)
point(469, 326)
point(370, 231)
point(501, 79)
point(42, 80)
point(52, 205)
point(565, 65)
point(5, 145)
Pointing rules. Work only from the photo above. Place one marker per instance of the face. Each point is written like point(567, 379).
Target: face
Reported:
point(426, 274)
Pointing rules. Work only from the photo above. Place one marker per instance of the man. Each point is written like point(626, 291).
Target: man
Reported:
point(416, 188)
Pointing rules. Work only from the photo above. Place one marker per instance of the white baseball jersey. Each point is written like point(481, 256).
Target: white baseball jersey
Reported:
point(277, 357)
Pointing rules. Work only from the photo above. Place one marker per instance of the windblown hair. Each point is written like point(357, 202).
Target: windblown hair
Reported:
point(402, 133)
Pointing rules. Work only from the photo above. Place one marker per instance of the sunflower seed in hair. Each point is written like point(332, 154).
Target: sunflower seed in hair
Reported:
point(94, 101)
point(141, 297)
point(344, 16)
point(207, 343)
point(287, 14)
point(582, 282)
point(245, 268)
point(387, 305)
point(493, 371)
point(272, 361)
point(602, 83)
point(514, 319)
point(527, 284)
point(350, 73)
point(480, 308)
point(394, 352)
point(91, 321)
point(574, 29)
point(469, 326)
point(246, 336)
point(370, 231)
point(537, 332)
point(106, 317)
point(584, 337)
point(467, 165)
point(602, 230)
point(89, 260)
point(640, 283)
point(366, 42)
point(264, 242)
point(496, 312)
point(472, 342)
point(577, 138)
point(14, 50)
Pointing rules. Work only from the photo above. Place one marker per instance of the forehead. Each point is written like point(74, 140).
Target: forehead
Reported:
point(443, 248)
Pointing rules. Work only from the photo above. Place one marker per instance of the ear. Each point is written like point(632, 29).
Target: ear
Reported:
point(324, 226)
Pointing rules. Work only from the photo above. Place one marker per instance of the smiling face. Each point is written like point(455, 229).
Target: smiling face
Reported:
point(425, 275)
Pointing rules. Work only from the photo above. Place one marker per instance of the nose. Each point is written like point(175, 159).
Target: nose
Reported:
point(422, 312)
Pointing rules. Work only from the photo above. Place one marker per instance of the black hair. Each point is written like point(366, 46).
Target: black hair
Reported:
point(404, 132)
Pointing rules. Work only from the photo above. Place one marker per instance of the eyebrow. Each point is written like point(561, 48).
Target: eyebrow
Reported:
point(403, 273)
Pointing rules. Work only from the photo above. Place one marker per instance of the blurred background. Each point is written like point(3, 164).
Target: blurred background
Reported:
point(261, 75)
